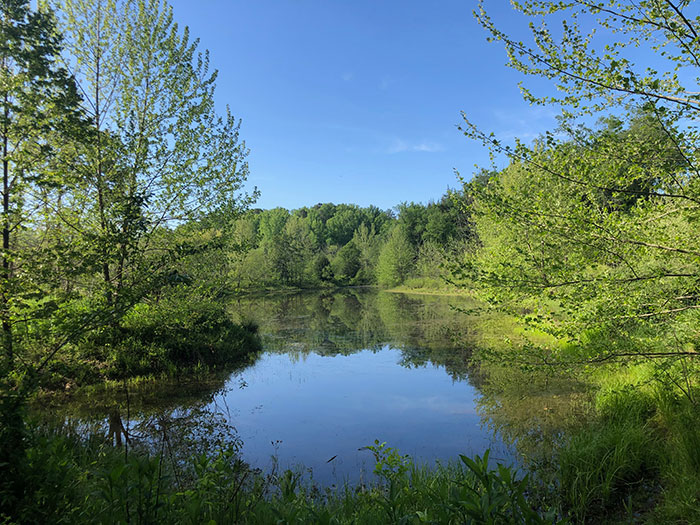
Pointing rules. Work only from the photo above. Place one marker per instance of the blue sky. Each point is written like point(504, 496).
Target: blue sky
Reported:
point(359, 101)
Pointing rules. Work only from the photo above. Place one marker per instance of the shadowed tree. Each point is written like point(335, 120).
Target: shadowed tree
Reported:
point(38, 102)
point(38, 106)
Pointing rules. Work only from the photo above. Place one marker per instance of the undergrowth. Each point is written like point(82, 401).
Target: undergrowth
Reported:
point(66, 480)
point(155, 339)
point(638, 461)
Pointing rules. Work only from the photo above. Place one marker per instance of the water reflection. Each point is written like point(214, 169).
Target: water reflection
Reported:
point(342, 369)
point(338, 370)
point(424, 327)
point(304, 409)
point(533, 411)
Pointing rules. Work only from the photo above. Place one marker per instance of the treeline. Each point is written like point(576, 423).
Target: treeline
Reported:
point(337, 245)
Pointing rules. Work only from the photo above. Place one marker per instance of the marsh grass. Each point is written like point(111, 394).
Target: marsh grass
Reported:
point(603, 464)
point(67, 480)
point(639, 458)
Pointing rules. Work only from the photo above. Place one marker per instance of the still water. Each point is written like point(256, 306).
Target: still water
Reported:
point(338, 371)
point(307, 410)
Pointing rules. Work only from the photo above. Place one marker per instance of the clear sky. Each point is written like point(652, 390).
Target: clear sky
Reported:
point(359, 101)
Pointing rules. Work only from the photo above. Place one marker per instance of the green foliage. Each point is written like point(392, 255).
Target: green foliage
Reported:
point(412, 218)
point(321, 270)
point(600, 54)
point(595, 226)
point(290, 248)
point(346, 263)
point(396, 258)
point(390, 465)
point(367, 242)
point(342, 225)
point(75, 482)
point(124, 182)
point(589, 234)
point(158, 157)
point(38, 112)
point(601, 465)
point(179, 332)
point(271, 224)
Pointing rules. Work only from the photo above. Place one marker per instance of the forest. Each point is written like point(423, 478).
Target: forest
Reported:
point(329, 245)
point(127, 230)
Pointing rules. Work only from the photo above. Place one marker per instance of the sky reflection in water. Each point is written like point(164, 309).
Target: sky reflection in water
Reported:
point(304, 408)
point(339, 370)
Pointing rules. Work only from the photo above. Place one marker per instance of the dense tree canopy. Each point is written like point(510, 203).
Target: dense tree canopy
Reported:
point(343, 244)
point(601, 220)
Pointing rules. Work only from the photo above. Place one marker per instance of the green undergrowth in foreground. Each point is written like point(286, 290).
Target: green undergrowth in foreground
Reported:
point(638, 460)
point(611, 442)
point(65, 480)
point(635, 459)
point(632, 455)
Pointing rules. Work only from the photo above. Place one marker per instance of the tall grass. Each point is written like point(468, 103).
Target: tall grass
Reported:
point(641, 455)
point(70, 481)
point(604, 464)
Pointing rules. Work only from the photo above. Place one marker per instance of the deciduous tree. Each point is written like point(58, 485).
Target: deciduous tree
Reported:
point(38, 108)
point(162, 153)
point(602, 220)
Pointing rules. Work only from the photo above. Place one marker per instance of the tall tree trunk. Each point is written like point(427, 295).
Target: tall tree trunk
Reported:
point(6, 269)
point(99, 174)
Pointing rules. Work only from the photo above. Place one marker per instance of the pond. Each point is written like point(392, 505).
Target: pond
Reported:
point(341, 370)
point(338, 370)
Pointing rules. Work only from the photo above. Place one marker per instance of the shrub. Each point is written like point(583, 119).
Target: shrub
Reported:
point(183, 332)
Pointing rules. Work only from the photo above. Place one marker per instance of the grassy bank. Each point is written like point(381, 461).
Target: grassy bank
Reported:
point(418, 285)
point(640, 456)
point(607, 442)
point(429, 286)
point(65, 480)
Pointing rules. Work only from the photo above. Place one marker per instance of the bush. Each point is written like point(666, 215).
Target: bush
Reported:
point(159, 338)
point(181, 333)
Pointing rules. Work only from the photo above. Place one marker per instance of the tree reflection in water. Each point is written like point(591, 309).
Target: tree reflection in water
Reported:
point(180, 418)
